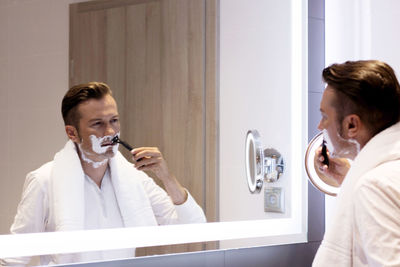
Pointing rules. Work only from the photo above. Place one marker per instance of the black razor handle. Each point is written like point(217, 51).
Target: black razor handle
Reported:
point(126, 145)
point(325, 154)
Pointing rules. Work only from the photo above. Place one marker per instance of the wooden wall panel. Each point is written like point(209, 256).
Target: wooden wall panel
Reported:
point(143, 97)
point(116, 56)
point(87, 47)
point(182, 81)
point(211, 188)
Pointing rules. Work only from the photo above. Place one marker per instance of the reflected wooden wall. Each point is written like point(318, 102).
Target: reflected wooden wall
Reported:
point(160, 59)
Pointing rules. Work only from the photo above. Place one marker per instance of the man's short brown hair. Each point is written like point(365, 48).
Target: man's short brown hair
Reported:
point(78, 94)
point(367, 88)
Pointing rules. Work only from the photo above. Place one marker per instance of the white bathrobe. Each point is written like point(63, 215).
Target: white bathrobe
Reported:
point(365, 230)
point(54, 195)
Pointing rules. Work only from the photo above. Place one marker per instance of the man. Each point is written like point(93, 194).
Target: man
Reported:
point(360, 118)
point(90, 185)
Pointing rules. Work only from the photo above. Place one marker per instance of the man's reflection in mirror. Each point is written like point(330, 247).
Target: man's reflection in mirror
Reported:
point(90, 185)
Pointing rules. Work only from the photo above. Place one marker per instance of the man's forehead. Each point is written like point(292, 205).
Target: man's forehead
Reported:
point(328, 97)
point(93, 108)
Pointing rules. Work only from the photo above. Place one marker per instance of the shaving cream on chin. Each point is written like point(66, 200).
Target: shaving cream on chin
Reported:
point(98, 141)
point(95, 164)
point(98, 149)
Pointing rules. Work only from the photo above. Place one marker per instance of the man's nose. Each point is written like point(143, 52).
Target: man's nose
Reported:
point(110, 130)
point(320, 126)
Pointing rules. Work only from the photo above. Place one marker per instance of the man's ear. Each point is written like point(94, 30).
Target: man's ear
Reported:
point(72, 133)
point(352, 125)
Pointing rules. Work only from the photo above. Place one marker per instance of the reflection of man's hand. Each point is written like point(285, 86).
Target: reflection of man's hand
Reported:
point(335, 172)
point(151, 159)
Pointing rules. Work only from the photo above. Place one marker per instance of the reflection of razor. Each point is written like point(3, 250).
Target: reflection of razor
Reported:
point(325, 154)
point(124, 144)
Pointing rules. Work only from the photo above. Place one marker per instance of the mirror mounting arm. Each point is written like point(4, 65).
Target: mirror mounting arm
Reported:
point(261, 164)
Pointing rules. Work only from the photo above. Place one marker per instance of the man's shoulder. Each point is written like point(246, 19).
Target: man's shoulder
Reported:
point(41, 174)
point(382, 176)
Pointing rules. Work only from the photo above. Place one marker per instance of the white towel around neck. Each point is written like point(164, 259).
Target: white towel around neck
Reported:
point(67, 196)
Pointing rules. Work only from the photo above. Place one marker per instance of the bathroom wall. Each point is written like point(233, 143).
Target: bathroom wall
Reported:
point(383, 23)
point(256, 92)
point(33, 67)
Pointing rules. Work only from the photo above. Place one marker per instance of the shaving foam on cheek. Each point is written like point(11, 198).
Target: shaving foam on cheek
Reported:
point(349, 148)
point(356, 145)
point(98, 149)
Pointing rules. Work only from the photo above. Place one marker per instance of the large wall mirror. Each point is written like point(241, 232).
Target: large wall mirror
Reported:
point(192, 77)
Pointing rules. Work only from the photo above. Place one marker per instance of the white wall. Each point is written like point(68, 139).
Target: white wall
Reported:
point(34, 78)
point(256, 93)
point(361, 29)
point(385, 40)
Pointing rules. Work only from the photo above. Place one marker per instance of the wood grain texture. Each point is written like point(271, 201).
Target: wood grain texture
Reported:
point(116, 56)
point(160, 60)
point(211, 204)
point(87, 48)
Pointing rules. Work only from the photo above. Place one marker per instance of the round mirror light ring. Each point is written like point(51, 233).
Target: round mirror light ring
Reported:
point(254, 161)
point(321, 182)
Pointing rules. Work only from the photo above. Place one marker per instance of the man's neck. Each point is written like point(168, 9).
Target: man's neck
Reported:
point(94, 169)
point(94, 173)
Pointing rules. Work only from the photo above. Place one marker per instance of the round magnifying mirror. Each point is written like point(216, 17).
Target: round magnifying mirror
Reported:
point(254, 161)
point(325, 184)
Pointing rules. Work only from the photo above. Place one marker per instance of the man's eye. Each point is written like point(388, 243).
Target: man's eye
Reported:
point(98, 123)
point(114, 120)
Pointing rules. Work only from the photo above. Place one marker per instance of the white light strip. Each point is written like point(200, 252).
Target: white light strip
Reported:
point(298, 109)
point(119, 238)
